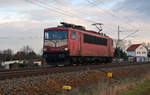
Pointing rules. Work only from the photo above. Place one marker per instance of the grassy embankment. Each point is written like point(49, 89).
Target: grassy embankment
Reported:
point(141, 89)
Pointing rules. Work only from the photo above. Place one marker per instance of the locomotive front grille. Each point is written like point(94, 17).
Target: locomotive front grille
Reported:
point(55, 43)
point(49, 43)
point(60, 43)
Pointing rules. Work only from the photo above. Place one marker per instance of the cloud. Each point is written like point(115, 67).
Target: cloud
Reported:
point(15, 35)
point(136, 5)
point(14, 4)
point(139, 9)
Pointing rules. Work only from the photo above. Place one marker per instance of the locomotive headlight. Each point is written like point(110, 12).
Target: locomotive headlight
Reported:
point(66, 49)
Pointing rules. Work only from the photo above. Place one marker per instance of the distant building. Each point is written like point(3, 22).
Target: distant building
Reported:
point(138, 52)
point(20, 53)
point(6, 64)
point(39, 63)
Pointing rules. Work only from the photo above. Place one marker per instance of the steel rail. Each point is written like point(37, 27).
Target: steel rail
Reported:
point(18, 73)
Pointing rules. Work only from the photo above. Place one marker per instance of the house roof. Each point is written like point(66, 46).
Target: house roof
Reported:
point(133, 47)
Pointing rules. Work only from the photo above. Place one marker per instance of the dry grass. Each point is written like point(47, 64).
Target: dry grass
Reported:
point(115, 90)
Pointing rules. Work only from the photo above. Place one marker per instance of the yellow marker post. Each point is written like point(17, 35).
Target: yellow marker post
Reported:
point(67, 87)
point(109, 75)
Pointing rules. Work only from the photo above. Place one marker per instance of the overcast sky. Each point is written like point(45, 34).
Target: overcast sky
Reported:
point(22, 21)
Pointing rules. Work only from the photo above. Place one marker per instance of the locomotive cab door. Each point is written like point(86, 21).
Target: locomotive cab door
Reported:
point(75, 43)
point(79, 43)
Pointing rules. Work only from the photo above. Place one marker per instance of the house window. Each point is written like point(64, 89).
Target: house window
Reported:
point(139, 52)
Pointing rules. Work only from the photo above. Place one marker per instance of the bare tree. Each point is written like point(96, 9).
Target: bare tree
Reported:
point(6, 55)
point(8, 52)
point(27, 49)
point(123, 44)
point(28, 53)
point(146, 45)
point(1, 59)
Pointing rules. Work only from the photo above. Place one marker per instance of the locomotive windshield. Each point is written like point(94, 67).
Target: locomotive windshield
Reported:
point(56, 34)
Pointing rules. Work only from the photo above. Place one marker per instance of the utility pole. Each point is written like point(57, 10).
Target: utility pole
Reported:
point(118, 42)
point(118, 35)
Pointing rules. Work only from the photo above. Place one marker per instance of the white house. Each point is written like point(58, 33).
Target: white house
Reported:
point(7, 63)
point(137, 51)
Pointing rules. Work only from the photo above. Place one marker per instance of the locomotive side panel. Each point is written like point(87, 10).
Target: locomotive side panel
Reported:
point(94, 46)
point(94, 50)
point(85, 44)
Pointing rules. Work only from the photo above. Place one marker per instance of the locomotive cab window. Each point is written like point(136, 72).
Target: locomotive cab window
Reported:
point(73, 35)
point(60, 34)
point(46, 35)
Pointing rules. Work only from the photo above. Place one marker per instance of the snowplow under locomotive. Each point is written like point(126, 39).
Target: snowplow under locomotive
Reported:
point(73, 44)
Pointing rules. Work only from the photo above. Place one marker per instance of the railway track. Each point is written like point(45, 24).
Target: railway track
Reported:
point(19, 73)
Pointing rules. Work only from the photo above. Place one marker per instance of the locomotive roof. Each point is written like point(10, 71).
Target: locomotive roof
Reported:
point(84, 31)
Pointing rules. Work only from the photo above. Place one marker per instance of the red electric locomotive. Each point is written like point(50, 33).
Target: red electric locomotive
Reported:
point(72, 44)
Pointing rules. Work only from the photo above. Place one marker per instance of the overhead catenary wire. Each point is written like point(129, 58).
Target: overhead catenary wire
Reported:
point(130, 35)
point(127, 19)
point(110, 12)
point(51, 8)
point(48, 8)
point(68, 12)
point(91, 21)
point(59, 8)
point(43, 5)
point(37, 3)
point(101, 9)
